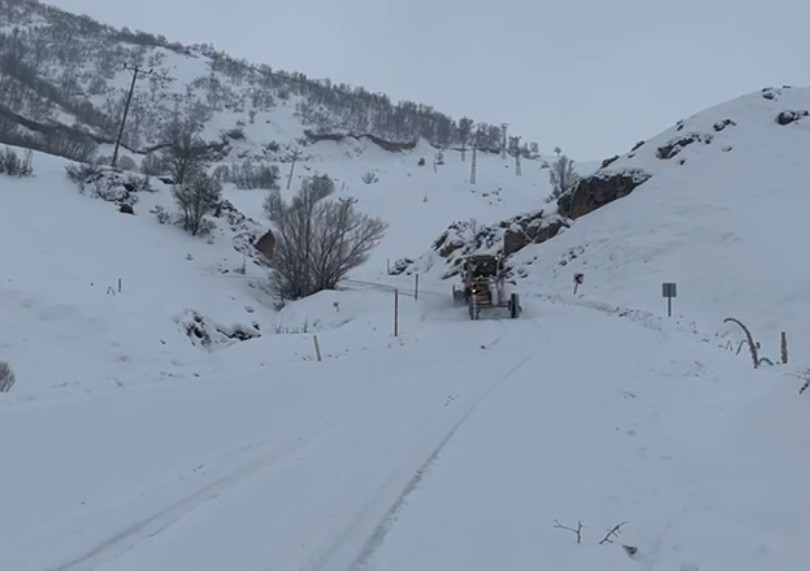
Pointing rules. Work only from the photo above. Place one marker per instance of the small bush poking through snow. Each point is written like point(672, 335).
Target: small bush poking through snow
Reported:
point(161, 214)
point(109, 184)
point(83, 174)
point(369, 178)
point(12, 165)
point(562, 175)
point(7, 377)
point(196, 198)
point(247, 175)
point(273, 205)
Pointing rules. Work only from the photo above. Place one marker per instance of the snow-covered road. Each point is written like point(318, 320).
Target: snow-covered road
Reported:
point(396, 459)
point(294, 471)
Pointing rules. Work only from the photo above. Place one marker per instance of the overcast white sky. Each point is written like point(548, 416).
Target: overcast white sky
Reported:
point(592, 76)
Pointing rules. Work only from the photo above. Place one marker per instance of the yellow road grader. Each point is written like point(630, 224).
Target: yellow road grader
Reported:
point(483, 286)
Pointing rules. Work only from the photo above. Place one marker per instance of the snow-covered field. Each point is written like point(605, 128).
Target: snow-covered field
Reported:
point(454, 445)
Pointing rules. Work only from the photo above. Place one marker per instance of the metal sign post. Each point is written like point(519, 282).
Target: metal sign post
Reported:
point(578, 279)
point(396, 313)
point(670, 290)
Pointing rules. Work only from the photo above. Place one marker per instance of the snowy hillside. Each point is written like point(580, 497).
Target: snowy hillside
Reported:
point(61, 280)
point(65, 81)
point(721, 215)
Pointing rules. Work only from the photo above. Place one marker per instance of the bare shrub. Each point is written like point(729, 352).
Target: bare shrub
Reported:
point(562, 175)
point(14, 165)
point(185, 152)
point(273, 205)
point(247, 175)
point(319, 241)
point(83, 174)
point(7, 377)
point(161, 214)
point(196, 198)
point(369, 178)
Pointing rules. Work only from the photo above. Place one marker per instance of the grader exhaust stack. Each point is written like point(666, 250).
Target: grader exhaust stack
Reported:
point(483, 286)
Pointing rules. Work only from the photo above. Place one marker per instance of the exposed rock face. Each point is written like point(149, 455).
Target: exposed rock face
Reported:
point(607, 162)
point(531, 229)
point(210, 336)
point(514, 234)
point(788, 117)
point(602, 188)
point(401, 266)
point(674, 147)
point(720, 125)
point(266, 245)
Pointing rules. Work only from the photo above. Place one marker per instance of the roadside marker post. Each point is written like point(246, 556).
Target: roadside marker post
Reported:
point(669, 291)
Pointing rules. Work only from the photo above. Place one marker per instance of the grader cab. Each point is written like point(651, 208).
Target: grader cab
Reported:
point(483, 286)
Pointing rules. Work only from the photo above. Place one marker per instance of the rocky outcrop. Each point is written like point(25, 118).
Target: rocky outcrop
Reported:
point(609, 161)
point(599, 189)
point(210, 336)
point(788, 117)
point(467, 236)
point(675, 146)
point(530, 229)
point(720, 125)
point(266, 245)
point(512, 235)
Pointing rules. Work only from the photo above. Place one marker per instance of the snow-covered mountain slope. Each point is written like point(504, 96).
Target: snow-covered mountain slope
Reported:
point(65, 87)
point(63, 254)
point(722, 215)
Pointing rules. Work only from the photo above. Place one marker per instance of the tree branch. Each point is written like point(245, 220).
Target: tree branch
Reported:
point(612, 532)
point(578, 529)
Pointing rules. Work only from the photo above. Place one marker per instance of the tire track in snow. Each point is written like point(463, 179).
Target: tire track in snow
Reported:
point(357, 558)
point(129, 537)
point(283, 448)
point(378, 535)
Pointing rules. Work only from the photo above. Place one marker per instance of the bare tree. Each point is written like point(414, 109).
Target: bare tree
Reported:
point(196, 198)
point(562, 175)
point(274, 205)
point(185, 150)
point(319, 241)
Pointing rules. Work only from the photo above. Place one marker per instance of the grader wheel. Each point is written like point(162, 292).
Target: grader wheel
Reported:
point(514, 305)
point(473, 309)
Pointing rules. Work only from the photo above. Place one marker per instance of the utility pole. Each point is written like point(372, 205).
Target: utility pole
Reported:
point(135, 71)
point(474, 153)
point(292, 168)
point(503, 144)
point(517, 156)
